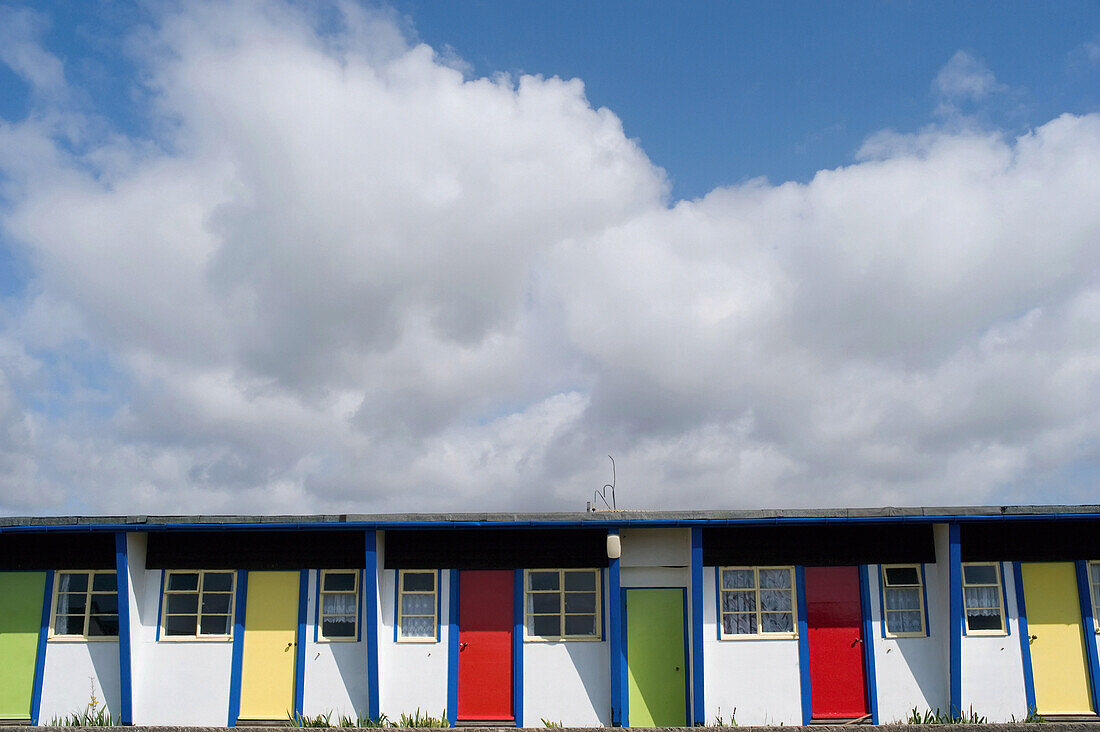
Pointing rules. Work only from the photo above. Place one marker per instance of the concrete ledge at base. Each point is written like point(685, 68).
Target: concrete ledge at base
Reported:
point(1092, 726)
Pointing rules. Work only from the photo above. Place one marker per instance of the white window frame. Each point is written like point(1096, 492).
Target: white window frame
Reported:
point(321, 592)
point(597, 636)
point(1003, 630)
point(79, 637)
point(199, 636)
point(399, 615)
point(759, 634)
point(919, 587)
point(1094, 593)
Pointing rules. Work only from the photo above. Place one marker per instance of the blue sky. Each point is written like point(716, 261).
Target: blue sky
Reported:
point(269, 255)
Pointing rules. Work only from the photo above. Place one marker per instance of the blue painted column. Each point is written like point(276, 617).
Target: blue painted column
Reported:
point(1025, 638)
point(125, 656)
point(803, 646)
point(239, 606)
point(517, 648)
point(868, 639)
point(370, 611)
point(699, 710)
point(452, 649)
point(955, 605)
point(40, 655)
point(300, 642)
point(614, 640)
point(1084, 591)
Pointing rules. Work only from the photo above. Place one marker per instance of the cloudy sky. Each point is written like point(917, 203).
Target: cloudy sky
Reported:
point(271, 257)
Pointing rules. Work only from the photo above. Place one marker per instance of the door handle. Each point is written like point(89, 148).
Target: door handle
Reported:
point(289, 646)
point(462, 646)
point(1032, 638)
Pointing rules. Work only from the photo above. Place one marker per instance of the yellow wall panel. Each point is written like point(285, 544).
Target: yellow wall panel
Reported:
point(270, 632)
point(1058, 661)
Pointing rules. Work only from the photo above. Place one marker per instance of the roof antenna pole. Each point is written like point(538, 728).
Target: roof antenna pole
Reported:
point(602, 492)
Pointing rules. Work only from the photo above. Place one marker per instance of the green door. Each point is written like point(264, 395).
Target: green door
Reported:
point(21, 595)
point(655, 658)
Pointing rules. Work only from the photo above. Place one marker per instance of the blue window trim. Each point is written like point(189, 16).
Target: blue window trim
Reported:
point(125, 664)
point(803, 646)
point(1002, 567)
point(696, 685)
point(956, 623)
point(317, 614)
point(517, 647)
point(1088, 623)
point(1025, 638)
point(452, 648)
point(370, 619)
point(717, 603)
point(397, 601)
point(160, 601)
point(871, 689)
point(238, 645)
point(40, 651)
point(300, 642)
point(882, 600)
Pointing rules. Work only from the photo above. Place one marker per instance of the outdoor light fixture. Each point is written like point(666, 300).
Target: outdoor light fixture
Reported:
point(614, 547)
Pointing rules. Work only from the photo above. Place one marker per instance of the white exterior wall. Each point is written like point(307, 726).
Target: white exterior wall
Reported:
point(175, 682)
point(758, 678)
point(335, 671)
point(569, 682)
point(992, 666)
point(910, 672)
point(411, 675)
point(72, 670)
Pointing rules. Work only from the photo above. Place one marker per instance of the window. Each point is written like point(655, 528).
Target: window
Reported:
point(903, 600)
point(562, 604)
point(85, 605)
point(198, 604)
point(757, 601)
point(982, 598)
point(1094, 583)
point(339, 604)
point(416, 605)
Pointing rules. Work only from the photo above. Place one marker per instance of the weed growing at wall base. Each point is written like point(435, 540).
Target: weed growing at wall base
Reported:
point(416, 719)
point(95, 714)
point(930, 716)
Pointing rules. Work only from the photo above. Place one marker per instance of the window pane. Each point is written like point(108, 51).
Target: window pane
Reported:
point(215, 625)
point(72, 582)
point(184, 581)
point(737, 578)
point(187, 603)
point(72, 603)
point(548, 602)
point(580, 625)
point(739, 624)
point(907, 599)
point(543, 580)
point(546, 625)
point(104, 604)
point(1095, 569)
point(776, 623)
point(216, 602)
point(902, 576)
point(580, 602)
point(217, 582)
point(775, 599)
point(100, 625)
point(68, 625)
point(180, 625)
point(340, 581)
point(982, 574)
point(775, 578)
point(416, 627)
point(977, 598)
point(585, 580)
point(906, 621)
point(738, 601)
point(104, 582)
point(418, 581)
point(412, 604)
point(342, 604)
point(983, 622)
point(339, 627)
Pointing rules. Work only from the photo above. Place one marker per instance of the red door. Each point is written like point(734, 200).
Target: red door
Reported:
point(834, 619)
point(485, 624)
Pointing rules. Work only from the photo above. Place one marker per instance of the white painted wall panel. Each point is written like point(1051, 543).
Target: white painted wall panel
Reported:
point(992, 667)
point(335, 671)
point(758, 678)
point(176, 683)
point(655, 548)
point(910, 672)
point(72, 670)
point(411, 675)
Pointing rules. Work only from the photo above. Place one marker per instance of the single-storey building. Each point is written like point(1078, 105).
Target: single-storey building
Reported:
point(624, 618)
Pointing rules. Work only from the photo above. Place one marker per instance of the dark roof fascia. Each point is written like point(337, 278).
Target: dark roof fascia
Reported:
point(597, 519)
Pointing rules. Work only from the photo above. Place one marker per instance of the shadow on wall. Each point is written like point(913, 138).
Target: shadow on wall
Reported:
point(592, 662)
point(923, 658)
point(351, 660)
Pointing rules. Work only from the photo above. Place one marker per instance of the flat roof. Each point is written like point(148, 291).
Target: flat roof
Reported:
point(604, 518)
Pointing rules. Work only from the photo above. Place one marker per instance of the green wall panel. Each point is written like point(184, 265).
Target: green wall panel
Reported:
point(21, 597)
point(655, 658)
